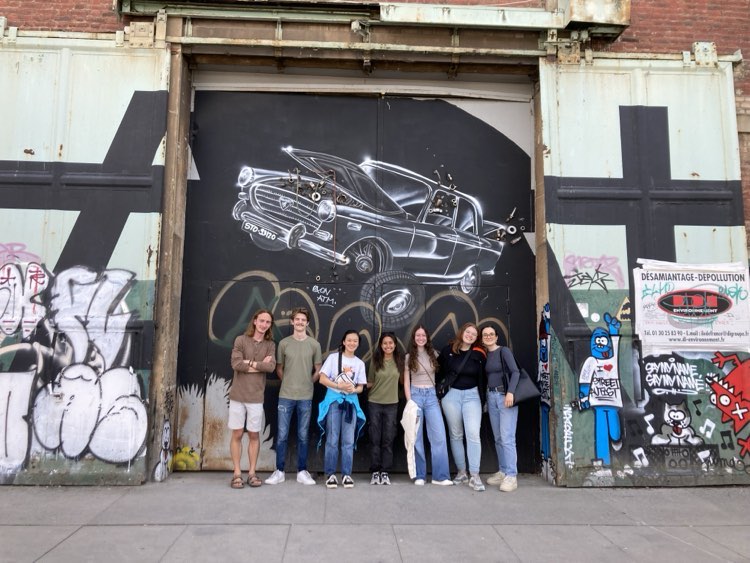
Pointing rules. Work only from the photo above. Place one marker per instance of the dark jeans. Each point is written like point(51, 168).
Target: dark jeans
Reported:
point(382, 420)
point(285, 410)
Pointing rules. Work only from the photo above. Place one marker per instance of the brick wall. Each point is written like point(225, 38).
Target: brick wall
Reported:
point(92, 16)
point(669, 26)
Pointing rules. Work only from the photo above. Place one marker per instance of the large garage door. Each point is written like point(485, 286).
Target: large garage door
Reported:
point(375, 212)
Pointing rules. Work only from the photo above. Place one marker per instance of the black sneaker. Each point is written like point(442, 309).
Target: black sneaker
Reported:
point(332, 482)
point(347, 481)
point(384, 479)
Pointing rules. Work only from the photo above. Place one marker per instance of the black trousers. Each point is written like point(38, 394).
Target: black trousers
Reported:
point(382, 435)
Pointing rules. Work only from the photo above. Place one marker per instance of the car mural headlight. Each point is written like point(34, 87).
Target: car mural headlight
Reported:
point(246, 176)
point(326, 210)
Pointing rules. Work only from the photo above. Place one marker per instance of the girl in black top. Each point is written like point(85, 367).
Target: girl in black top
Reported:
point(463, 361)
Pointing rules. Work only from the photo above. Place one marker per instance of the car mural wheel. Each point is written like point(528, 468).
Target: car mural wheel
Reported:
point(368, 257)
point(396, 297)
point(469, 284)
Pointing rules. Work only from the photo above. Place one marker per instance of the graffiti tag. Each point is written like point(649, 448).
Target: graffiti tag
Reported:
point(603, 266)
point(670, 376)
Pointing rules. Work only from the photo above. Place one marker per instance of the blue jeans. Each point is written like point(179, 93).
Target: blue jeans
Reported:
point(463, 410)
point(337, 428)
point(503, 421)
point(285, 410)
point(429, 415)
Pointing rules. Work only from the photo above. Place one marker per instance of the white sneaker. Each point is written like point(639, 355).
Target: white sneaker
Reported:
point(443, 483)
point(461, 477)
point(475, 482)
point(509, 484)
point(347, 481)
point(384, 478)
point(419, 482)
point(305, 478)
point(496, 478)
point(276, 478)
point(332, 482)
point(375, 479)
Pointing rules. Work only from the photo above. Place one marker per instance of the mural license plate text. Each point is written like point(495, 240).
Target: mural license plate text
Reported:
point(255, 229)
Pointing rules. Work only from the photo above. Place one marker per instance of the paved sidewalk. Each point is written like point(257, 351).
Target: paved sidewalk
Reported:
point(197, 517)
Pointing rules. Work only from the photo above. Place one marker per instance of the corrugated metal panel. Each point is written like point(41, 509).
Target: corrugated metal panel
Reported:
point(479, 16)
point(582, 125)
point(73, 94)
point(81, 174)
point(641, 161)
point(599, 11)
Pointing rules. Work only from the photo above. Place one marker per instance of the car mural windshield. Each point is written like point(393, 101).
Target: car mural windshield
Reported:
point(350, 176)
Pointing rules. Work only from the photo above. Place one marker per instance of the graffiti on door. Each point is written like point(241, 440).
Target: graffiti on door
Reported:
point(67, 386)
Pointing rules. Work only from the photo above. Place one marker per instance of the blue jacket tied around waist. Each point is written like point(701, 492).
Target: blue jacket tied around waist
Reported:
point(350, 403)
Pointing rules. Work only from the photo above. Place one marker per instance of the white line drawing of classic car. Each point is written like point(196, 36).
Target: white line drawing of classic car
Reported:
point(376, 218)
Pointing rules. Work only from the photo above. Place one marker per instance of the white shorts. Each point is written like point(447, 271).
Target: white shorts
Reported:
point(239, 413)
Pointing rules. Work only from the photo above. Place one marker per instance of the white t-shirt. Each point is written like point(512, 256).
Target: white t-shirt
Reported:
point(353, 367)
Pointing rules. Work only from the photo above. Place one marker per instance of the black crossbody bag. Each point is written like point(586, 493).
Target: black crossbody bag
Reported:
point(444, 385)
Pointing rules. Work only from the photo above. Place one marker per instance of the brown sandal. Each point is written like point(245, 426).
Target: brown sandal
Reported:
point(254, 481)
point(236, 482)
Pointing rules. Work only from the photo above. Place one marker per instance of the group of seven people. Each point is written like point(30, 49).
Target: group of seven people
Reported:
point(478, 373)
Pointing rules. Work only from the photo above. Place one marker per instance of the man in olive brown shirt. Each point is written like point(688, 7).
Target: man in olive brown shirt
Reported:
point(253, 355)
point(298, 366)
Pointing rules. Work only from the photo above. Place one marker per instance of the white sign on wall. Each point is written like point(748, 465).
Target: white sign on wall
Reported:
point(692, 306)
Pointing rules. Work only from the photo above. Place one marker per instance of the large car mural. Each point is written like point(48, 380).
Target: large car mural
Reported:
point(379, 220)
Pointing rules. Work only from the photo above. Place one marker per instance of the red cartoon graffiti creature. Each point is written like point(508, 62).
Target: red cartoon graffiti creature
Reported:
point(731, 394)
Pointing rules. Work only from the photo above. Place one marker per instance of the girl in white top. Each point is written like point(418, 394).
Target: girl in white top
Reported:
point(344, 375)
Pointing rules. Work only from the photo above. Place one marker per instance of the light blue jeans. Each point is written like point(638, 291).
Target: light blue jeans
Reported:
point(503, 421)
point(337, 428)
point(429, 416)
point(285, 410)
point(463, 410)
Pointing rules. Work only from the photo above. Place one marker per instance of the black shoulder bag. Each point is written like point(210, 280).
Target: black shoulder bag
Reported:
point(526, 388)
point(444, 385)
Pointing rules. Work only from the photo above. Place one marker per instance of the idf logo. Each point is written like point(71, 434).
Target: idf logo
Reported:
point(695, 304)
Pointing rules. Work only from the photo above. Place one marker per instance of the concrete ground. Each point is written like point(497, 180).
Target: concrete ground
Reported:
point(197, 517)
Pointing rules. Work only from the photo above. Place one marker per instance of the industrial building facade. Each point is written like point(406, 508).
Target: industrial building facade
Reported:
point(562, 169)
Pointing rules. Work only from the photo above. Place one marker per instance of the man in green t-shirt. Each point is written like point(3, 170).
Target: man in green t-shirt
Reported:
point(298, 361)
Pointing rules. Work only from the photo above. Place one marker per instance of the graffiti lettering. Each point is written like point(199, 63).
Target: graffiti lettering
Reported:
point(599, 279)
point(667, 375)
point(568, 436)
point(323, 296)
point(603, 267)
point(89, 308)
point(19, 296)
point(93, 401)
point(15, 388)
point(325, 301)
point(15, 252)
point(734, 463)
point(735, 292)
point(650, 290)
point(605, 388)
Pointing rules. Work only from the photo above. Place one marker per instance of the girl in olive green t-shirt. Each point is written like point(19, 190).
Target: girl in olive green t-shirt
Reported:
point(383, 378)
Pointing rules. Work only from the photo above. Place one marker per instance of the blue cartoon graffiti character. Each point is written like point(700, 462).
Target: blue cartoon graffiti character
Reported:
point(599, 388)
